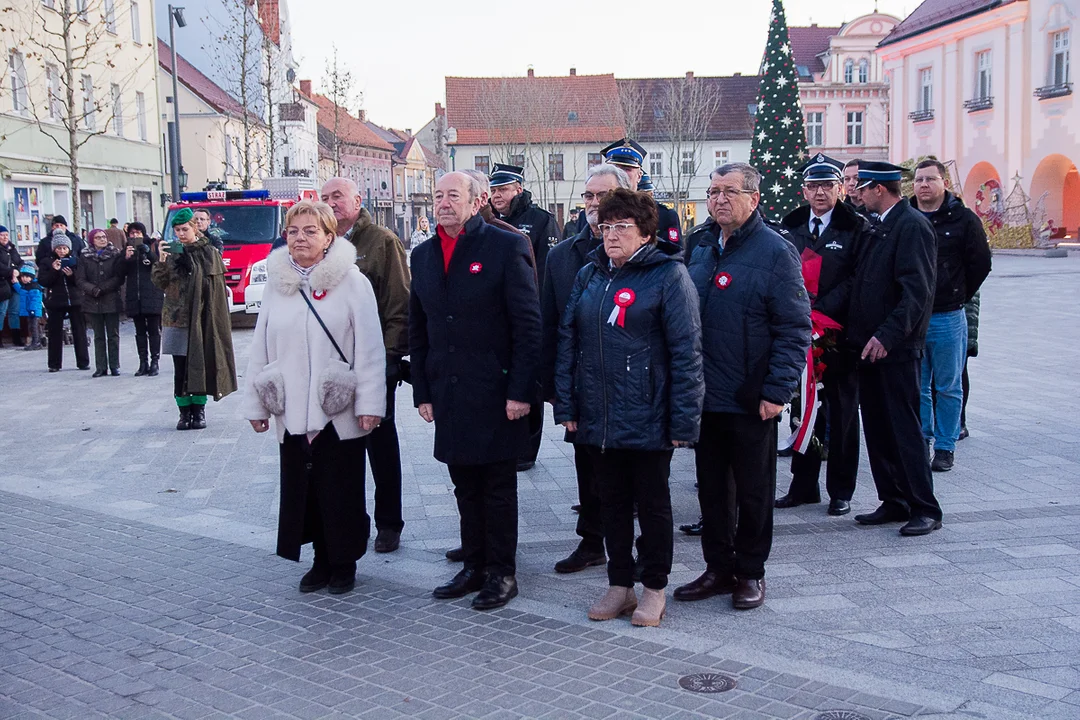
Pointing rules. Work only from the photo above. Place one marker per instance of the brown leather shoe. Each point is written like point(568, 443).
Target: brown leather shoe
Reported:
point(748, 594)
point(707, 585)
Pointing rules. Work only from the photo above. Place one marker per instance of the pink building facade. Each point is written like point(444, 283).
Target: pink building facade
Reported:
point(989, 84)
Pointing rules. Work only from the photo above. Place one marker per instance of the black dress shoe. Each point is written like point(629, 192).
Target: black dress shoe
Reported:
point(920, 525)
point(883, 515)
point(839, 507)
point(316, 578)
point(579, 560)
point(83, 367)
point(748, 594)
point(693, 529)
point(706, 586)
point(387, 541)
point(54, 369)
point(575, 508)
point(790, 501)
point(943, 461)
point(467, 581)
point(963, 432)
point(100, 373)
point(524, 465)
point(497, 591)
point(456, 554)
point(115, 372)
point(342, 579)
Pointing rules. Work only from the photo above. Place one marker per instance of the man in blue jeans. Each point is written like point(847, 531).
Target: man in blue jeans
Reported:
point(963, 262)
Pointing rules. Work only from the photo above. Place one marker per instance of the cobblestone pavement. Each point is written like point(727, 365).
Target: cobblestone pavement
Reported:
point(137, 575)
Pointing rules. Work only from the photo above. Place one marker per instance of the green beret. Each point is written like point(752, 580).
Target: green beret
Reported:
point(182, 216)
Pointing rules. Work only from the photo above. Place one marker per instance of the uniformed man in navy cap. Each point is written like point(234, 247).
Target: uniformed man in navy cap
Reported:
point(832, 230)
point(645, 185)
point(891, 300)
point(513, 204)
point(629, 156)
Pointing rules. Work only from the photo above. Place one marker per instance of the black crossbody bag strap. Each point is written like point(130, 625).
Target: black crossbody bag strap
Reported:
point(325, 329)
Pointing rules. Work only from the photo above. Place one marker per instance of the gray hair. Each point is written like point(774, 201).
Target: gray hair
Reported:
point(610, 170)
point(750, 175)
point(481, 179)
point(353, 188)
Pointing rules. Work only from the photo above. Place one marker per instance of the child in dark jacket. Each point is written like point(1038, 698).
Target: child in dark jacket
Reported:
point(30, 297)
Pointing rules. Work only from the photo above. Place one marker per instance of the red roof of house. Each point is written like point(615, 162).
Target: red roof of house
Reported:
point(935, 13)
point(809, 43)
point(350, 129)
point(733, 121)
point(203, 87)
point(574, 108)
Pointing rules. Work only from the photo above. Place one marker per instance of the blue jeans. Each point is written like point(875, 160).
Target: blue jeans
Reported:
point(10, 308)
point(943, 365)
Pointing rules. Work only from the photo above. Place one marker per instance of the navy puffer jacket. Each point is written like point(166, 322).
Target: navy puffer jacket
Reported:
point(636, 385)
point(755, 317)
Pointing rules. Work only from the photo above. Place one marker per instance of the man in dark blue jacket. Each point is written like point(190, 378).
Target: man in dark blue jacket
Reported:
point(755, 323)
point(889, 311)
point(474, 339)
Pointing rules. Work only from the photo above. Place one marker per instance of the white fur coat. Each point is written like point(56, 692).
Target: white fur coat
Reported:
point(294, 373)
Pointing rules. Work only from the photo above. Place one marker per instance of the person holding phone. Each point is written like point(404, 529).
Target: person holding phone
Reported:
point(144, 301)
point(64, 300)
point(197, 330)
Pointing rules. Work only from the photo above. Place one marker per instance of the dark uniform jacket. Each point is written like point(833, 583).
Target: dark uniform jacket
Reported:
point(838, 247)
point(538, 224)
point(640, 385)
point(892, 295)
point(143, 296)
point(474, 340)
point(963, 254)
point(99, 275)
point(755, 317)
point(563, 263)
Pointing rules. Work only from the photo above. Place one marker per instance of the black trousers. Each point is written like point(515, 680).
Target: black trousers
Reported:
point(179, 363)
point(147, 336)
point(536, 432)
point(106, 328)
point(487, 502)
point(78, 336)
point(625, 478)
point(736, 473)
point(590, 526)
point(384, 452)
point(840, 414)
point(899, 460)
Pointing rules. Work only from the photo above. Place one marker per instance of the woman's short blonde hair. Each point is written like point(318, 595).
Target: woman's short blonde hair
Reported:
point(322, 212)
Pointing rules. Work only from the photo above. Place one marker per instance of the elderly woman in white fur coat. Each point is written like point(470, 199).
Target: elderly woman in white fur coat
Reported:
point(324, 383)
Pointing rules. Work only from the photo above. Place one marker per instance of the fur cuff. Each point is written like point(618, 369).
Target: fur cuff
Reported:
point(337, 388)
point(269, 386)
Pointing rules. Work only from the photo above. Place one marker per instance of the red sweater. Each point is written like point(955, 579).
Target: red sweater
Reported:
point(448, 244)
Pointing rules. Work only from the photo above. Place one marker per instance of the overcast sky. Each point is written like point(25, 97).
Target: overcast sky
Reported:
point(399, 52)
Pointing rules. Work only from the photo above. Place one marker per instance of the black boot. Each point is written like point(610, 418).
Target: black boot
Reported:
point(185, 419)
point(198, 417)
point(153, 370)
point(144, 368)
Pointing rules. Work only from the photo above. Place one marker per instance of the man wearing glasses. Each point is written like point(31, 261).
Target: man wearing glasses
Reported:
point(831, 230)
point(563, 263)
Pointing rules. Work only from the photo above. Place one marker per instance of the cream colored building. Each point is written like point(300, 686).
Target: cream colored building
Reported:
point(116, 104)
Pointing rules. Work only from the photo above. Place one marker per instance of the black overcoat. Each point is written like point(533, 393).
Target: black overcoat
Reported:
point(474, 341)
point(143, 296)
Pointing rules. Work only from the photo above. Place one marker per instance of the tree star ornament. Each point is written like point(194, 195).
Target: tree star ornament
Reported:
point(777, 188)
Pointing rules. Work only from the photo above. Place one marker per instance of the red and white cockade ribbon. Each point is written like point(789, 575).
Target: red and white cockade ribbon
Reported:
point(623, 299)
point(809, 387)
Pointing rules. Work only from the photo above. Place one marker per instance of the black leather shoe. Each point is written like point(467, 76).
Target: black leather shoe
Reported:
point(456, 554)
point(497, 591)
point(198, 417)
point(963, 432)
point(578, 561)
point(790, 501)
point(153, 371)
point(839, 507)
point(115, 372)
point(387, 541)
point(83, 367)
point(693, 529)
point(144, 368)
point(100, 373)
point(943, 461)
point(184, 423)
point(465, 582)
point(707, 585)
point(342, 579)
point(54, 369)
point(920, 526)
point(524, 465)
point(883, 515)
point(575, 508)
point(748, 594)
point(316, 578)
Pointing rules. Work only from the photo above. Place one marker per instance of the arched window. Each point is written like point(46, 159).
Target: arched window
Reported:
point(864, 70)
point(849, 71)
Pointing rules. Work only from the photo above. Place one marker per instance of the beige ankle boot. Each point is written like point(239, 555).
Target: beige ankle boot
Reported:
point(618, 601)
point(651, 609)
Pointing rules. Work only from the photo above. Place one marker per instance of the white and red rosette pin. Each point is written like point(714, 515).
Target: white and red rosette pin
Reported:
point(723, 281)
point(475, 268)
point(318, 294)
point(623, 299)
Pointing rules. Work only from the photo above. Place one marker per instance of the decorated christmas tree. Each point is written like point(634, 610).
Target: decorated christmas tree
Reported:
point(779, 146)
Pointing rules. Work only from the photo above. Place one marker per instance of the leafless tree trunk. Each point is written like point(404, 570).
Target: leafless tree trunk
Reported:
point(338, 83)
point(632, 100)
point(687, 106)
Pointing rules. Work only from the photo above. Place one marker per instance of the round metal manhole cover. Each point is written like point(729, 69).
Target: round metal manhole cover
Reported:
point(840, 715)
point(707, 683)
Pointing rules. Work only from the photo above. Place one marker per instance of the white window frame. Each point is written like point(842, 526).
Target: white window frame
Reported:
point(656, 165)
point(864, 71)
point(487, 163)
point(721, 156)
point(926, 89)
point(1060, 42)
point(108, 14)
point(849, 71)
point(82, 8)
point(136, 22)
point(89, 109)
point(984, 75)
point(855, 135)
point(52, 88)
point(140, 115)
point(556, 161)
point(688, 161)
point(117, 109)
point(815, 128)
point(20, 100)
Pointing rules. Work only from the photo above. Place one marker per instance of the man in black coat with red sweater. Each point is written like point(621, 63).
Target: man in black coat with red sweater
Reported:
point(474, 338)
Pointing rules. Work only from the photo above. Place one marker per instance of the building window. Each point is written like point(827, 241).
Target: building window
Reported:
point(555, 166)
point(117, 110)
point(864, 71)
point(52, 87)
point(88, 107)
point(926, 89)
point(136, 24)
point(984, 88)
point(855, 127)
point(688, 162)
point(80, 8)
point(17, 82)
point(482, 163)
point(109, 12)
point(595, 159)
point(140, 114)
point(721, 157)
point(849, 71)
point(517, 160)
point(656, 165)
point(51, 4)
point(1059, 58)
point(815, 129)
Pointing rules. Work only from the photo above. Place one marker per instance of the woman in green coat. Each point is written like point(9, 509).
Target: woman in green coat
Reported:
point(196, 329)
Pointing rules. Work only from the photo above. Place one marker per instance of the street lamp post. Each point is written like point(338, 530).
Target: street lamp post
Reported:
point(176, 17)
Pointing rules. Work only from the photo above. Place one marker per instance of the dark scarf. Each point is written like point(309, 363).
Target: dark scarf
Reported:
point(211, 368)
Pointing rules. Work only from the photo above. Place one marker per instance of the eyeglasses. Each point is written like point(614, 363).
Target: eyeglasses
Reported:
point(590, 196)
point(616, 228)
point(814, 187)
point(310, 232)
point(728, 193)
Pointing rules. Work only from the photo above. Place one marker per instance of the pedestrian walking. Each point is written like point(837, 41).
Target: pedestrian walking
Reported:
point(195, 315)
point(64, 299)
point(317, 366)
point(30, 295)
point(144, 299)
point(100, 273)
point(629, 383)
point(474, 332)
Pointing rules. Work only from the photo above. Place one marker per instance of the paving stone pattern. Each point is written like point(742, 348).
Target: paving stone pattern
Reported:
point(137, 576)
